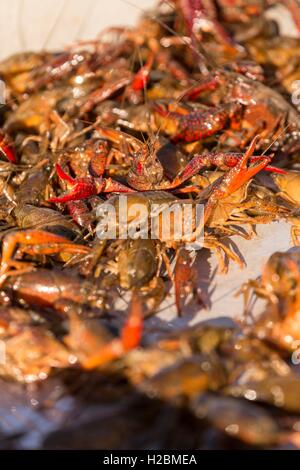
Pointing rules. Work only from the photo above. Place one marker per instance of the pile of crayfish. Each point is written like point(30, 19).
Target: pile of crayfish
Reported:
point(191, 107)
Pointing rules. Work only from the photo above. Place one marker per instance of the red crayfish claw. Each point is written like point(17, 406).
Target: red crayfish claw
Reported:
point(83, 188)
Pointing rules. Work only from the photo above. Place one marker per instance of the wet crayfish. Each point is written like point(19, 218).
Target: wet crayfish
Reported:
point(122, 158)
point(279, 285)
point(33, 349)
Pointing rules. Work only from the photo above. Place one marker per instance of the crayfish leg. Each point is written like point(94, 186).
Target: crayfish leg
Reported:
point(183, 278)
point(132, 331)
point(295, 233)
point(185, 281)
point(35, 242)
point(129, 339)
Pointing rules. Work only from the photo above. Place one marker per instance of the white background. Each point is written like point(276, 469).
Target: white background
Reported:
point(34, 24)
